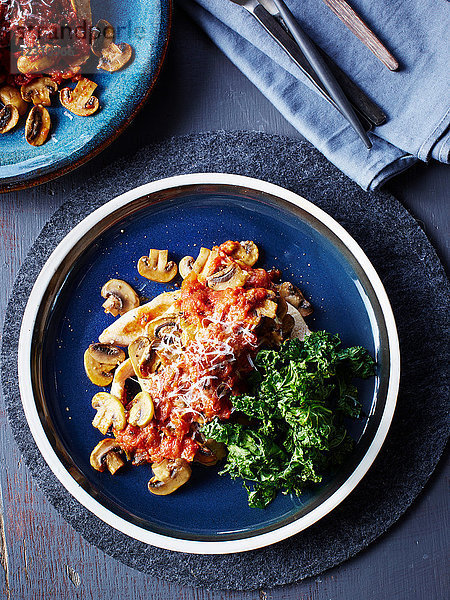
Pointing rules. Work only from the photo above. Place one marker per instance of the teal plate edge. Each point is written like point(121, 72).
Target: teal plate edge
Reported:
point(56, 157)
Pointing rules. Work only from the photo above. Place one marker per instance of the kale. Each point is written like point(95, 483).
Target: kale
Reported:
point(298, 399)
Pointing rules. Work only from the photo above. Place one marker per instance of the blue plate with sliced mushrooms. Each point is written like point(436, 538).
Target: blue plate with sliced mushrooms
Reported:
point(64, 97)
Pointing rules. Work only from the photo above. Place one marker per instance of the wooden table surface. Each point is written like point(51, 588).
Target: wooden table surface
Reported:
point(42, 557)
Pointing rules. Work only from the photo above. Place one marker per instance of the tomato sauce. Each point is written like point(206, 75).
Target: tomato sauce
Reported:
point(216, 351)
point(38, 27)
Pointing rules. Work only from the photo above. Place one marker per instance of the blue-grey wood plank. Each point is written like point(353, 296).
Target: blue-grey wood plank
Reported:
point(42, 557)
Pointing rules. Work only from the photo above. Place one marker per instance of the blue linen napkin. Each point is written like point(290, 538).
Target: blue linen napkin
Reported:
point(415, 98)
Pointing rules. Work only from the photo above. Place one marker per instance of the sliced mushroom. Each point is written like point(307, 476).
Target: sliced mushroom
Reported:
point(169, 476)
point(201, 260)
point(268, 309)
point(144, 356)
point(231, 276)
point(247, 252)
point(210, 453)
point(287, 325)
point(80, 101)
point(162, 327)
point(300, 329)
point(156, 268)
point(38, 59)
point(106, 354)
point(100, 360)
point(267, 332)
point(282, 307)
point(114, 57)
point(11, 95)
point(37, 126)
point(110, 412)
point(107, 454)
point(38, 91)
point(186, 265)
point(294, 296)
point(120, 297)
point(9, 117)
point(123, 372)
point(102, 36)
point(219, 449)
point(142, 411)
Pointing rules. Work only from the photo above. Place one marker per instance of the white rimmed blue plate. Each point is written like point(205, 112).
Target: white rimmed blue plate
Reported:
point(210, 514)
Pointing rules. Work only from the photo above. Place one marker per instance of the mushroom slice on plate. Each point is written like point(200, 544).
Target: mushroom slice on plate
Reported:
point(163, 327)
point(267, 309)
point(107, 454)
point(186, 265)
point(144, 356)
point(11, 95)
point(99, 360)
point(156, 267)
point(38, 59)
point(123, 372)
point(295, 298)
point(210, 452)
point(231, 276)
point(169, 476)
point(120, 297)
point(114, 57)
point(38, 91)
point(80, 101)
point(9, 117)
point(282, 307)
point(199, 265)
point(142, 410)
point(247, 252)
point(110, 412)
point(37, 126)
point(287, 325)
point(102, 36)
point(300, 329)
point(201, 260)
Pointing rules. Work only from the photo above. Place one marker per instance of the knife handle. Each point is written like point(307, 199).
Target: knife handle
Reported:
point(357, 26)
point(368, 111)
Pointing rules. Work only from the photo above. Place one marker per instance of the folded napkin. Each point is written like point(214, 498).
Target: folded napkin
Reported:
point(415, 98)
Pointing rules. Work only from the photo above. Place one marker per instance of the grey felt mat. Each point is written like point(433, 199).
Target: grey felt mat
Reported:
point(419, 294)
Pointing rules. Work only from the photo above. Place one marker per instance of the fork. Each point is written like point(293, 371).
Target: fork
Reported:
point(308, 59)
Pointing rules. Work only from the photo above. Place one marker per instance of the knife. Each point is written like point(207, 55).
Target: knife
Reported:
point(370, 113)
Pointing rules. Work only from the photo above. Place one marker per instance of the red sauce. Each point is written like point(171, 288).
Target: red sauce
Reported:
point(196, 385)
point(38, 27)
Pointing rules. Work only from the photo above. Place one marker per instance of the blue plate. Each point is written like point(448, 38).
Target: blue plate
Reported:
point(64, 315)
point(145, 25)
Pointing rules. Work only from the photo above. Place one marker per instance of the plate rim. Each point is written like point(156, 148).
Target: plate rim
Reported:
point(25, 182)
point(50, 456)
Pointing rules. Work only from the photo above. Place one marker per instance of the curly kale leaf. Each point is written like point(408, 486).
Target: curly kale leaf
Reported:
point(298, 398)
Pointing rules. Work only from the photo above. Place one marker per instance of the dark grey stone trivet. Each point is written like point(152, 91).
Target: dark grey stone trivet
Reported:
point(419, 293)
